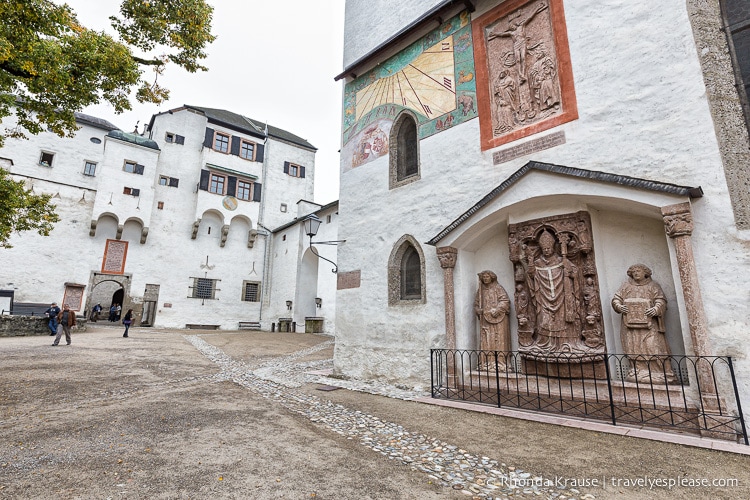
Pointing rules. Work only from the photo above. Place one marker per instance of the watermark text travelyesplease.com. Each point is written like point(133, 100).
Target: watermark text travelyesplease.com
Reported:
point(622, 482)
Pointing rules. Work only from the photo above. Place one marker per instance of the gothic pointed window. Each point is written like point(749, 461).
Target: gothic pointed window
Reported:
point(406, 273)
point(404, 151)
point(411, 275)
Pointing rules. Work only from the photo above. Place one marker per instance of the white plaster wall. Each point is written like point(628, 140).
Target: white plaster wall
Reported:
point(112, 179)
point(70, 155)
point(286, 256)
point(642, 112)
point(368, 24)
point(37, 267)
point(282, 188)
point(299, 276)
point(326, 279)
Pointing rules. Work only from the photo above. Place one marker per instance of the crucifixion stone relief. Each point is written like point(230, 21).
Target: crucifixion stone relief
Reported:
point(558, 305)
point(523, 68)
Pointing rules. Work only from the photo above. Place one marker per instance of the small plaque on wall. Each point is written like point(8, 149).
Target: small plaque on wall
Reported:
point(349, 279)
point(115, 253)
point(73, 297)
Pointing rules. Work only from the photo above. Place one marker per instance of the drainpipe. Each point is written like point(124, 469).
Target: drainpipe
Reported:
point(266, 233)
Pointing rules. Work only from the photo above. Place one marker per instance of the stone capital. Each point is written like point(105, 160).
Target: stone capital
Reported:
point(447, 257)
point(678, 220)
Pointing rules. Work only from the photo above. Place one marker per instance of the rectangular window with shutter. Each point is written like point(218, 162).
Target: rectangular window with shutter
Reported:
point(168, 181)
point(129, 166)
point(221, 142)
point(247, 150)
point(294, 170)
point(217, 183)
point(244, 190)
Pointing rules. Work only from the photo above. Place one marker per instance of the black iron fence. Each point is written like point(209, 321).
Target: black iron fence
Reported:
point(696, 394)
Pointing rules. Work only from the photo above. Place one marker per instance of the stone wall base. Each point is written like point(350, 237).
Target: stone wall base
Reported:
point(27, 326)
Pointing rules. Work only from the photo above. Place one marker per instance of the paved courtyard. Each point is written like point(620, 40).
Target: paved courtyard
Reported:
point(193, 414)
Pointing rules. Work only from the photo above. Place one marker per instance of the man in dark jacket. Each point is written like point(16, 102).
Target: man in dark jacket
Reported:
point(52, 313)
point(67, 319)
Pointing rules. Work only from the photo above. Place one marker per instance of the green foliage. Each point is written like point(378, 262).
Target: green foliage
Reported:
point(51, 66)
point(22, 210)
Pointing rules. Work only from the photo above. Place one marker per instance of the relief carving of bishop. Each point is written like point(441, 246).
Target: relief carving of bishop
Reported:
point(557, 300)
point(522, 62)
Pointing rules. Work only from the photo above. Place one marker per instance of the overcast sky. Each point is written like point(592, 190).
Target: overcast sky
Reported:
point(272, 61)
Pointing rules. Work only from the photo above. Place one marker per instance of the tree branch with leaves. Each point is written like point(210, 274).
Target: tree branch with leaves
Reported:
point(51, 66)
point(22, 210)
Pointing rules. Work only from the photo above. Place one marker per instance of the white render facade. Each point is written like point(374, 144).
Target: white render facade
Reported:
point(653, 104)
point(176, 223)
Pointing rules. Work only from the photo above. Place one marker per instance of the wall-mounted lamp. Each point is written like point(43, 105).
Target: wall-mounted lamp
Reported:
point(289, 304)
point(318, 302)
point(311, 223)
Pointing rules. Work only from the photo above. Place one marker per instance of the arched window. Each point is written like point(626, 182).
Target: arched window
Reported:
point(737, 19)
point(407, 149)
point(406, 273)
point(404, 151)
point(411, 275)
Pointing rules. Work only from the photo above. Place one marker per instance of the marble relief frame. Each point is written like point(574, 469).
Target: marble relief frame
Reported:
point(523, 70)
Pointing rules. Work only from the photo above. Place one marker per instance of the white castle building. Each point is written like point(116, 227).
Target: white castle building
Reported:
point(476, 126)
point(177, 223)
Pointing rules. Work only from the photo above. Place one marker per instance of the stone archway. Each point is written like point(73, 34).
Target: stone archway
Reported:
point(107, 289)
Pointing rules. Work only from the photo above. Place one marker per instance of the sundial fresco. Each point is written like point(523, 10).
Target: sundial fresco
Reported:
point(426, 85)
point(433, 78)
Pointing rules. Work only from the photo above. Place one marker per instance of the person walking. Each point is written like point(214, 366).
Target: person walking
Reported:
point(112, 312)
point(52, 313)
point(127, 321)
point(118, 311)
point(67, 318)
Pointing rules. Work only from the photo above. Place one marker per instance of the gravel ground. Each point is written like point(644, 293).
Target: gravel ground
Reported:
point(188, 414)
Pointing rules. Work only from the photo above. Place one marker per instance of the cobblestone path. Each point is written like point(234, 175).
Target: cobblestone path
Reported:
point(448, 465)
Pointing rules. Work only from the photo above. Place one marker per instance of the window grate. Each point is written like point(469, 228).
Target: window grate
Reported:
point(251, 292)
point(204, 288)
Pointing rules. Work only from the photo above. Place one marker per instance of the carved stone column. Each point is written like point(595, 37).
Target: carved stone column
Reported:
point(447, 257)
point(678, 222)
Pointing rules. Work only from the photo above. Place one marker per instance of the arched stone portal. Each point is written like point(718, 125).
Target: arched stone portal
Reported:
point(106, 289)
